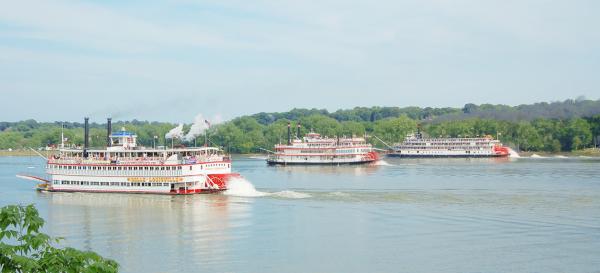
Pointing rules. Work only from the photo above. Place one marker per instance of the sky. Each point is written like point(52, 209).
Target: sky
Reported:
point(171, 60)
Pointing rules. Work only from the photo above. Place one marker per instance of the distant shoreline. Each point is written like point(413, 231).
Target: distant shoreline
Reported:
point(586, 152)
point(25, 153)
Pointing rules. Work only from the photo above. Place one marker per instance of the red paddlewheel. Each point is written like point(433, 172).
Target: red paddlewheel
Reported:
point(222, 178)
point(499, 150)
point(373, 156)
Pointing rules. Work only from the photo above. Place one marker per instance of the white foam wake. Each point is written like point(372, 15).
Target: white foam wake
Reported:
point(290, 194)
point(537, 156)
point(241, 187)
point(382, 162)
point(512, 153)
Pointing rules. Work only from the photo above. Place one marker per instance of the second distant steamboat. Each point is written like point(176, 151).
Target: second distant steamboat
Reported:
point(313, 149)
point(415, 145)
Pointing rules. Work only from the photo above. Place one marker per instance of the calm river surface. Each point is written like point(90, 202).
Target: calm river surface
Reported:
point(405, 215)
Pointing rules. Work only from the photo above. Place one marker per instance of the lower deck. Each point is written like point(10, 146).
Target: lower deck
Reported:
point(319, 163)
point(132, 187)
point(320, 160)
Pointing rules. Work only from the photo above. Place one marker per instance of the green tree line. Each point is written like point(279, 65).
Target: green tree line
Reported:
point(249, 133)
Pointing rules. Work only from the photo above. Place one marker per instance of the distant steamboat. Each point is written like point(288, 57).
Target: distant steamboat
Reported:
point(125, 167)
point(417, 146)
point(316, 150)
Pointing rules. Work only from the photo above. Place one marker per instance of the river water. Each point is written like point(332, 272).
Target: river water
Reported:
point(401, 215)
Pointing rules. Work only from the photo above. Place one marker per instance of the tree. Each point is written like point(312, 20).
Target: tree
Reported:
point(527, 137)
point(394, 130)
point(33, 251)
point(470, 108)
point(576, 134)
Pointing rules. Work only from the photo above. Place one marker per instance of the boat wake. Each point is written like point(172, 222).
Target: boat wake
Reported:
point(238, 186)
point(512, 153)
point(290, 194)
point(537, 156)
point(382, 163)
point(241, 187)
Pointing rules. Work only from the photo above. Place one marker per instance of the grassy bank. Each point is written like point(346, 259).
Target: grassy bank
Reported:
point(587, 152)
point(593, 152)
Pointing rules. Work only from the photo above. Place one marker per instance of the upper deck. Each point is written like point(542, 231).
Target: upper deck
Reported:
point(315, 141)
point(122, 149)
point(416, 141)
point(140, 156)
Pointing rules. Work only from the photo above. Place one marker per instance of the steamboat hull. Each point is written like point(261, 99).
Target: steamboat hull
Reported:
point(329, 163)
point(397, 155)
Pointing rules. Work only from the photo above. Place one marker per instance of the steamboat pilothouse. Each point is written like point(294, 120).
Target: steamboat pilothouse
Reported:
point(123, 166)
point(314, 149)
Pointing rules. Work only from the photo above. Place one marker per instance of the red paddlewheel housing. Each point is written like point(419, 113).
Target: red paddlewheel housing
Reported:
point(373, 156)
point(499, 150)
point(221, 179)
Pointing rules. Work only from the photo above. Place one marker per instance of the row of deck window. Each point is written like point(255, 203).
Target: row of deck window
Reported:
point(442, 152)
point(115, 168)
point(433, 148)
point(130, 168)
point(114, 184)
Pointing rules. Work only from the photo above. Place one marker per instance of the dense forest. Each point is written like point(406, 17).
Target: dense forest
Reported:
point(552, 127)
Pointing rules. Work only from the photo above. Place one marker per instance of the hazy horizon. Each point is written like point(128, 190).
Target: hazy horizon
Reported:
point(169, 61)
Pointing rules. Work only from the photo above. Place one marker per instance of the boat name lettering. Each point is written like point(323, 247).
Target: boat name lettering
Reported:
point(154, 179)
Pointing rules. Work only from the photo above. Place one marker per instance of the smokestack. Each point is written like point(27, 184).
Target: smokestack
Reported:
point(298, 130)
point(86, 136)
point(289, 134)
point(108, 132)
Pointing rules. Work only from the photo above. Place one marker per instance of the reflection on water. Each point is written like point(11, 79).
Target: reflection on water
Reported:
point(136, 229)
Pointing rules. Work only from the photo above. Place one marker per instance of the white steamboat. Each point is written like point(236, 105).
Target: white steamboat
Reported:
point(125, 167)
point(417, 146)
point(313, 149)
